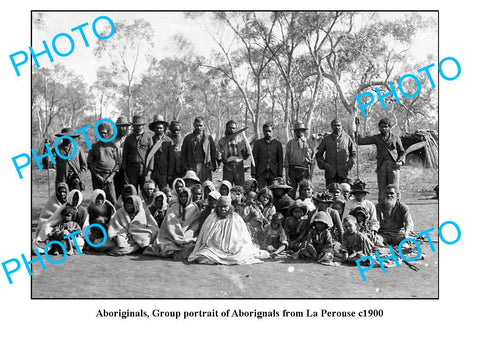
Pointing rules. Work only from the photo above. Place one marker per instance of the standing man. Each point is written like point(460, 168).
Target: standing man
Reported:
point(232, 151)
point(389, 151)
point(336, 154)
point(175, 127)
point(298, 158)
point(123, 127)
point(161, 158)
point(103, 161)
point(268, 155)
point(70, 170)
point(199, 152)
point(135, 152)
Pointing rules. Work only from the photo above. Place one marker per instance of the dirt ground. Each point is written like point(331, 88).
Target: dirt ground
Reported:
point(137, 276)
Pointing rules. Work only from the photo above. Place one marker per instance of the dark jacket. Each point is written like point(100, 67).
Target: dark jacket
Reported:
point(267, 156)
point(135, 149)
point(209, 149)
point(162, 162)
point(336, 155)
point(389, 149)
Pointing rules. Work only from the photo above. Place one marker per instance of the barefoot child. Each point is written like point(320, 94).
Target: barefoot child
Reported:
point(276, 238)
point(64, 228)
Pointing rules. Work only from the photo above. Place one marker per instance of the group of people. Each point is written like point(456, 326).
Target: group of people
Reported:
point(154, 194)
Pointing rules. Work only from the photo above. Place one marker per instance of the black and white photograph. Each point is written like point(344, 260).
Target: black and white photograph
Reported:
point(214, 170)
point(254, 155)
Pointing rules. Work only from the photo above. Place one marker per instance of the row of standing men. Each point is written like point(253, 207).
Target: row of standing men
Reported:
point(162, 157)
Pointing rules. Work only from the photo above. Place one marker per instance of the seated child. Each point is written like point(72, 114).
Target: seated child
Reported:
point(355, 244)
point(225, 188)
point(276, 239)
point(251, 185)
point(197, 192)
point(254, 219)
point(296, 225)
point(366, 227)
point(168, 194)
point(237, 197)
point(64, 228)
point(319, 244)
point(158, 207)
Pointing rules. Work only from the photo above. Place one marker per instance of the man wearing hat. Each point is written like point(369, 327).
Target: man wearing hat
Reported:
point(232, 151)
point(103, 161)
point(160, 160)
point(135, 152)
point(298, 158)
point(199, 152)
point(123, 127)
point(174, 133)
point(336, 154)
point(389, 152)
point(268, 155)
point(70, 170)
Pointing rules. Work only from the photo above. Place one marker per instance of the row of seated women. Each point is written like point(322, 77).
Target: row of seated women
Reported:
point(233, 225)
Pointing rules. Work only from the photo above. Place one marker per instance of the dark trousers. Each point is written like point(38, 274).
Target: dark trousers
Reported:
point(135, 176)
point(265, 179)
point(160, 180)
point(387, 175)
point(119, 182)
point(234, 173)
point(203, 172)
point(336, 179)
point(296, 174)
point(108, 187)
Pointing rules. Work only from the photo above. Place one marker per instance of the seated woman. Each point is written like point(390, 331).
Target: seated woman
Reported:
point(58, 199)
point(177, 185)
point(74, 199)
point(224, 239)
point(130, 229)
point(158, 207)
point(100, 211)
point(208, 186)
point(179, 229)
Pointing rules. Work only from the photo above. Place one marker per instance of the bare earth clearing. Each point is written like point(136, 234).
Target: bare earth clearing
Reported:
point(100, 276)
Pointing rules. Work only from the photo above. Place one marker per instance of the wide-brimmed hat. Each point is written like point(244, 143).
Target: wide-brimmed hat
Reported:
point(67, 132)
point(298, 204)
point(299, 126)
point(158, 119)
point(359, 186)
point(324, 197)
point(191, 175)
point(138, 120)
point(322, 216)
point(279, 183)
point(122, 121)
